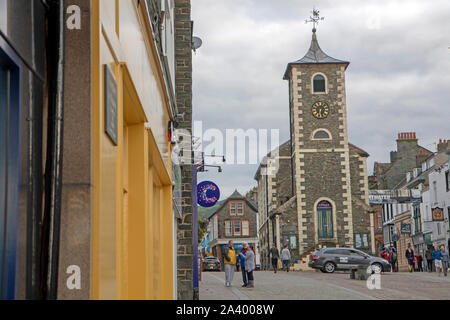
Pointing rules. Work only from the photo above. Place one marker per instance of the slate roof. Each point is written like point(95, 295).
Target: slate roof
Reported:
point(315, 55)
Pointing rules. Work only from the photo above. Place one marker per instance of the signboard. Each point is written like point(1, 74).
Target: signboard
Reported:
point(324, 205)
point(405, 228)
point(437, 214)
point(427, 238)
point(208, 194)
point(291, 241)
point(362, 240)
point(395, 237)
point(110, 100)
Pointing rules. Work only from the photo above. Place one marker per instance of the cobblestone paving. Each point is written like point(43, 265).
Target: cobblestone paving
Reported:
point(317, 285)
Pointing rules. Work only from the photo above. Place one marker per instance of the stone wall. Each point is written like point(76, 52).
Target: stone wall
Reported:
point(183, 90)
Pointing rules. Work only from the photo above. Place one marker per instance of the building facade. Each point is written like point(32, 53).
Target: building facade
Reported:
point(329, 174)
point(99, 138)
point(234, 220)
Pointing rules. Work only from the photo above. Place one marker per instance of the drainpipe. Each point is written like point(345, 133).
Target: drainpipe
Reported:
point(53, 170)
point(195, 231)
point(34, 172)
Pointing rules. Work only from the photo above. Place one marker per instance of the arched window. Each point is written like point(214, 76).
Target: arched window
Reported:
point(319, 84)
point(325, 219)
point(321, 134)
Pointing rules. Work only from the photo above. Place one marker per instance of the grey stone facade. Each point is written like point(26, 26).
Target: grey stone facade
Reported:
point(321, 168)
point(183, 83)
point(409, 155)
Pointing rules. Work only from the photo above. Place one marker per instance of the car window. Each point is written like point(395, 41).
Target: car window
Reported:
point(356, 253)
point(330, 251)
point(342, 252)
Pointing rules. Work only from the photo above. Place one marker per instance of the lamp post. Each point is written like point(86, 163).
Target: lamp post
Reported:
point(197, 167)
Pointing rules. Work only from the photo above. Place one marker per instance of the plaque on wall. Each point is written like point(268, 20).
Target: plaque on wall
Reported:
point(437, 214)
point(110, 99)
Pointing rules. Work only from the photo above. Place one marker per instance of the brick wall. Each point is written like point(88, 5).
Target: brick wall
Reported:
point(183, 90)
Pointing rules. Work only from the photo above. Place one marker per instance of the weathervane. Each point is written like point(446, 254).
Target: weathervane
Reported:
point(314, 19)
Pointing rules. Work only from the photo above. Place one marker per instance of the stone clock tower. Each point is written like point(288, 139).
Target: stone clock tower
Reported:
point(329, 175)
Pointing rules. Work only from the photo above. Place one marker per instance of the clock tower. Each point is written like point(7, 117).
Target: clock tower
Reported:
point(329, 174)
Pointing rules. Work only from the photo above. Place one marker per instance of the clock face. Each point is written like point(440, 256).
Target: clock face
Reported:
point(320, 110)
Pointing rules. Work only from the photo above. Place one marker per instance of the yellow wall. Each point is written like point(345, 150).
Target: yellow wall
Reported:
point(132, 218)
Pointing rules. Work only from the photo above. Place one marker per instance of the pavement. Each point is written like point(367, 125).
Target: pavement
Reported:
point(321, 286)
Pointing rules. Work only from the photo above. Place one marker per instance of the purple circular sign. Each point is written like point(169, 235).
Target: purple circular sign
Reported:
point(208, 194)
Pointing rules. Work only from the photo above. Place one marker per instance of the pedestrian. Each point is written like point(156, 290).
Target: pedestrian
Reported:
point(230, 263)
point(410, 257)
point(429, 257)
point(275, 255)
point(419, 263)
point(444, 259)
point(286, 257)
point(394, 260)
point(249, 266)
point(241, 260)
point(436, 255)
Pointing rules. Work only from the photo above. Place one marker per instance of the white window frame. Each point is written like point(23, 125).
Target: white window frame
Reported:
point(228, 228)
point(245, 223)
point(242, 208)
point(237, 223)
point(233, 208)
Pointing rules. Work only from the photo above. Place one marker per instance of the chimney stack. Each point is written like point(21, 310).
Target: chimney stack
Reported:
point(443, 145)
point(407, 136)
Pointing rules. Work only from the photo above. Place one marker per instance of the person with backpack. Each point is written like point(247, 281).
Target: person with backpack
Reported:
point(393, 260)
point(275, 255)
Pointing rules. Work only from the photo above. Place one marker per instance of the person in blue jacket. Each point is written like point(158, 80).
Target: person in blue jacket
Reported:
point(242, 263)
point(436, 255)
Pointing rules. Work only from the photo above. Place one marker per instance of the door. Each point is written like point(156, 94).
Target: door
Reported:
point(357, 258)
point(325, 222)
point(9, 174)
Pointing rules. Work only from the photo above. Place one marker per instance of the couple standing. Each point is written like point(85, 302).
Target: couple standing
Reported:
point(285, 257)
point(246, 260)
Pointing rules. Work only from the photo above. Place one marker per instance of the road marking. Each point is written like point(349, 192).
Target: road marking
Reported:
point(234, 290)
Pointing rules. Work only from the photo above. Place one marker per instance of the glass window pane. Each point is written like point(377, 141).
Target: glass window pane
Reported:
point(319, 83)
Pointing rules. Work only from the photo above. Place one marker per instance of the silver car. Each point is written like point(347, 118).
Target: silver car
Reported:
point(331, 259)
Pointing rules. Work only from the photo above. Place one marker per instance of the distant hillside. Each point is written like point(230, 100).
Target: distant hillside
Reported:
point(206, 212)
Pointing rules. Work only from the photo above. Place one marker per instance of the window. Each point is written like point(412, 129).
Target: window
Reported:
point(232, 208)
point(435, 191)
point(417, 220)
point(240, 208)
point(245, 228)
point(237, 228)
point(321, 134)
point(447, 181)
point(10, 146)
point(438, 228)
point(319, 84)
point(228, 229)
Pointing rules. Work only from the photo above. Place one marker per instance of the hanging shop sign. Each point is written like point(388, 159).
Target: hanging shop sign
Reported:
point(405, 228)
point(437, 214)
point(208, 194)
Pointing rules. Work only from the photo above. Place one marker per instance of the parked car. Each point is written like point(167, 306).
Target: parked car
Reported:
point(331, 259)
point(211, 263)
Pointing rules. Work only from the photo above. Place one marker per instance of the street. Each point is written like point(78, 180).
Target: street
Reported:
point(321, 286)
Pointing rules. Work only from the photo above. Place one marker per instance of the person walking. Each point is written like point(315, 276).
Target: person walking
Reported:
point(444, 259)
point(275, 255)
point(394, 259)
point(429, 258)
point(436, 255)
point(229, 256)
point(410, 257)
point(419, 263)
point(241, 259)
point(249, 266)
point(286, 257)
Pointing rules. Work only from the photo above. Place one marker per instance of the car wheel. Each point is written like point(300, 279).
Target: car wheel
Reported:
point(329, 267)
point(377, 268)
point(322, 270)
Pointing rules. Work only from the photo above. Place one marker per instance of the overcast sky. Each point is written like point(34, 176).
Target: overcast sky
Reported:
point(398, 79)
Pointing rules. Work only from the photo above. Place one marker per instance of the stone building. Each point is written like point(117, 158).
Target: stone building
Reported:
point(323, 200)
point(409, 155)
point(235, 220)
